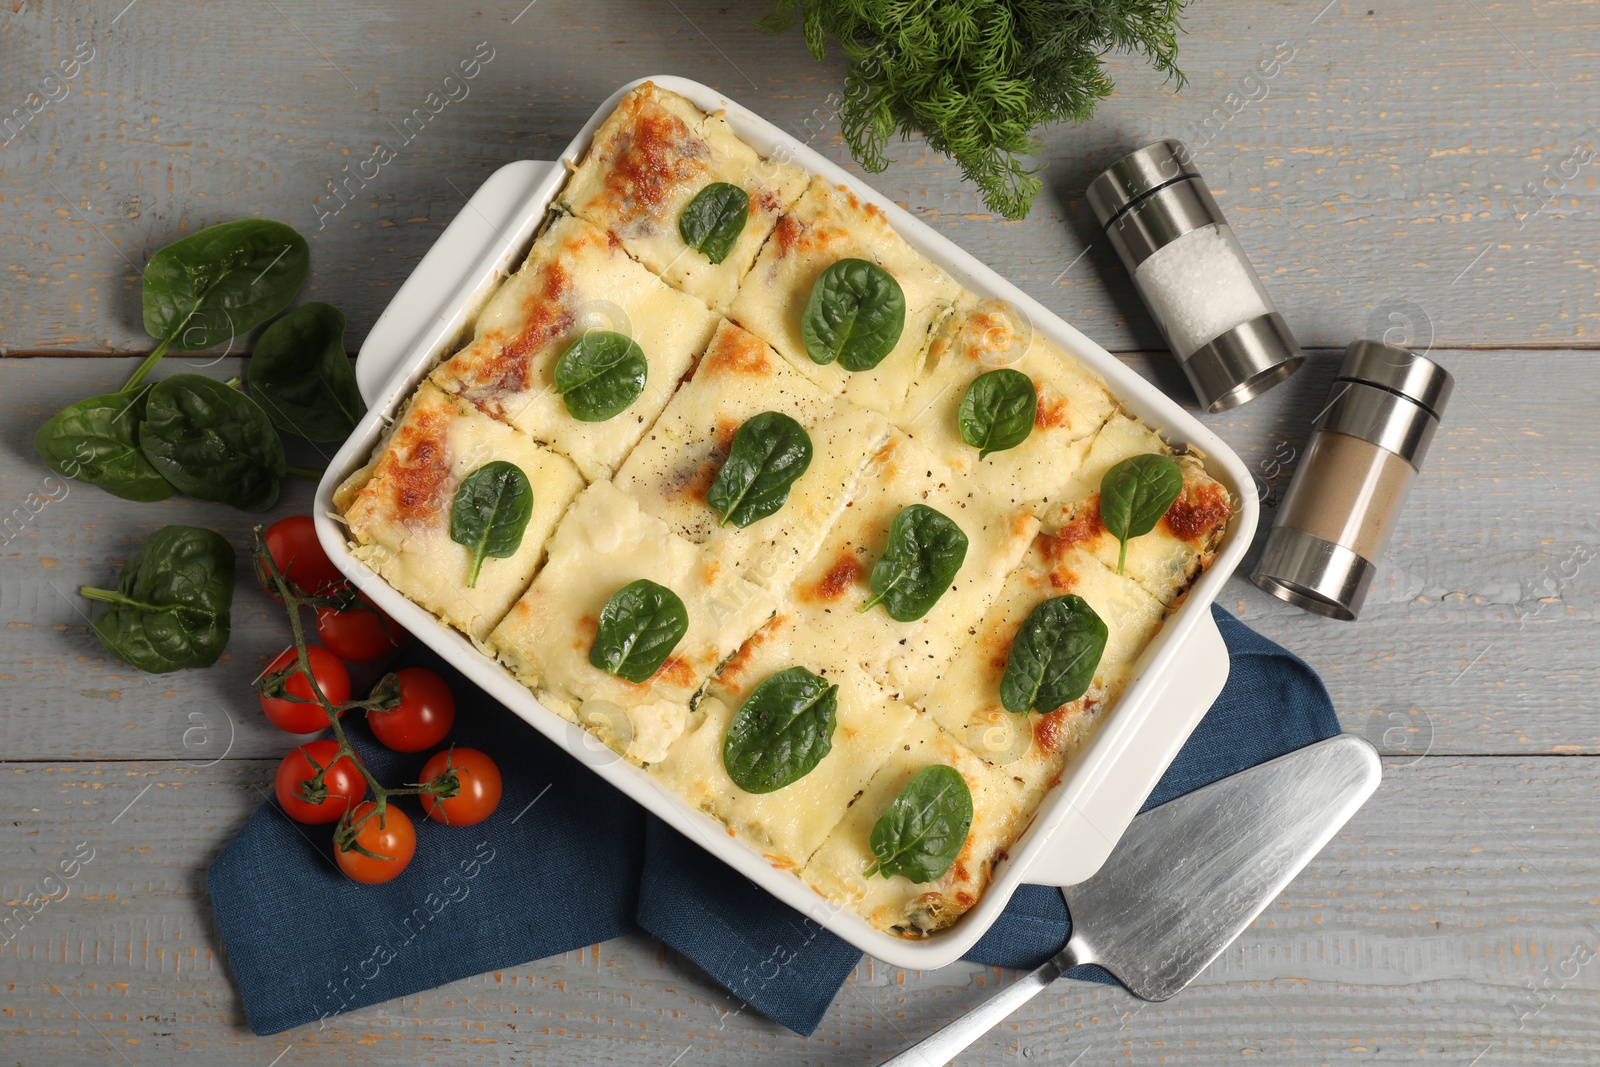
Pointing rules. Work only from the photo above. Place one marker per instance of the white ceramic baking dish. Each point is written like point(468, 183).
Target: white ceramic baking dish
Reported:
point(1176, 679)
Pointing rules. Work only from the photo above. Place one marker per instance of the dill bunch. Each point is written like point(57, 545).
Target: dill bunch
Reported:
point(977, 77)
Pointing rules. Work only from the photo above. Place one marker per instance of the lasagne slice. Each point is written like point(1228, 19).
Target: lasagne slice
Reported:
point(649, 161)
point(1002, 807)
point(397, 509)
point(1166, 560)
point(673, 467)
point(604, 543)
point(827, 595)
point(1073, 404)
point(787, 824)
point(1035, 746)
point(576, 278)
point(826, 225)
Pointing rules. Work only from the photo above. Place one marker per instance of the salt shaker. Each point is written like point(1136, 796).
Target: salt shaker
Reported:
point(1349, 488)
point(1193, 275)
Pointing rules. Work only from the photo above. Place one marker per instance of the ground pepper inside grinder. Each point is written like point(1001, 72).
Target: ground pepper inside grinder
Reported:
point(1195, 279)
point(1365, 451)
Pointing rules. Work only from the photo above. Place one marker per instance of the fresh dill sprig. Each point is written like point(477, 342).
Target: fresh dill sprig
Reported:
point(977, 77)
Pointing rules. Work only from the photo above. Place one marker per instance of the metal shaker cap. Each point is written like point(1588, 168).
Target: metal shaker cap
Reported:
point(1399, 370)
point(1138, 174)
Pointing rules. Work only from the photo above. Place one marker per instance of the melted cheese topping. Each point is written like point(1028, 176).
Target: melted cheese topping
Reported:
point(1002, 807)
point(787, 824)
point(1166, 560)
point(576, 278)
point(1073, 404)
point(398, 509)
point(604, 543)
point(826, 225)
point(785, 590)
point(652, 157)
point(674, 466)
point(1035, 747)
point(906, 656)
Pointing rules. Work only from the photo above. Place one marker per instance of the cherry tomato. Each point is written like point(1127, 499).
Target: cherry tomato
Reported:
point(296, 551)
point(479, 792)
point(390, 835)
point(426, 712)
point(342, 782)
point(305, 718)
point(358, 635)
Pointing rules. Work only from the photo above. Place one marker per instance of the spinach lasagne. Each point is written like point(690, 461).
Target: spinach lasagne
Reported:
point(818, 538)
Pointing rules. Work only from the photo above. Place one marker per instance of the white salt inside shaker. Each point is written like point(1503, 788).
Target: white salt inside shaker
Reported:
point(1200, 286)
point(1193, 275)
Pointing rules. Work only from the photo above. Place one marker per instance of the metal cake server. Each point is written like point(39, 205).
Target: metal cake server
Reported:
point(1187, 878)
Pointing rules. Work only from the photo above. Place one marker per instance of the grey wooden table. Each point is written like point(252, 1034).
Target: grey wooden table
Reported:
point(1424, 169)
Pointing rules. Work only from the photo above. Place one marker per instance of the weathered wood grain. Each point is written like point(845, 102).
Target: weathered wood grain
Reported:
point(1441, 922)
point(1424, 170)
point(1479, 637)
point(1421, 157)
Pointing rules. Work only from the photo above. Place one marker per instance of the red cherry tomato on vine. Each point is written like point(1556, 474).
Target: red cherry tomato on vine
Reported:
point(295, 550)
point(359, 634)
point(426, 712)
point(341, 782)
point(390, 835)
point(479, 792)
point(305, 718)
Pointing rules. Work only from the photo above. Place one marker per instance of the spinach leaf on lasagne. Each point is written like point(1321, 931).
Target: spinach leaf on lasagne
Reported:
point(601, 374)
point(997, 411)
point(855, 315)
point(921, 834)
point(1134, 494)
point(926, 549)
point(638, 629)
point(770, 452)
point(490, 512)
point(1054, 655)
point(712, 222)
point(781, 731)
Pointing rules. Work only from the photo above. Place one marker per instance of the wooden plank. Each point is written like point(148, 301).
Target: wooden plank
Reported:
point(1453, 915)
point(1423, 170)
point(1479, 636)
point(1479, 632)
point(1420, 158)
point(62, 692)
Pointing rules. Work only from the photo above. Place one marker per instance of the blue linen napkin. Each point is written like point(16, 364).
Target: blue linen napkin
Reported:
point(567, 861)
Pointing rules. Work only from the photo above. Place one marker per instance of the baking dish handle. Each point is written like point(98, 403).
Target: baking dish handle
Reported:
point(481, 234)
point(1083, 841)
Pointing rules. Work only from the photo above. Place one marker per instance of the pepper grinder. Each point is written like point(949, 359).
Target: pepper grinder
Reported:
point(1365, 451)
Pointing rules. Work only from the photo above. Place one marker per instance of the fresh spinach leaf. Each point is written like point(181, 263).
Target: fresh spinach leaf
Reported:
point(600, 374)
point(712, 222)
point(997, 411)
point(1134, 494)
point(921, 834)
point(855, 315)
point(205, 289)
point(219, 283)
point(97, 441)
point(301, 377)
point(781, 731)
point(926, 549)
point(170, 609)
point(639, 627)
point(212, 442)
point(490, 513)
point(1054, 655)
point(769, 454)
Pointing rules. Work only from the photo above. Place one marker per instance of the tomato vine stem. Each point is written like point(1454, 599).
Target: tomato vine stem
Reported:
point(383, 697)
